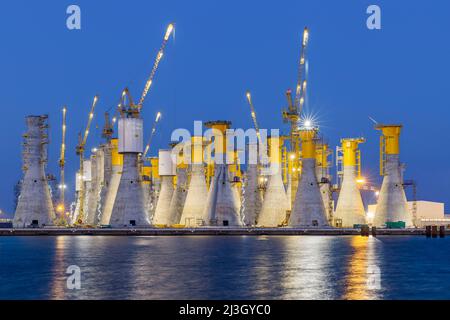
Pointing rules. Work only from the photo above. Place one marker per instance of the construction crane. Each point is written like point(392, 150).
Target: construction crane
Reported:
point(134, 109)
point(295, 106)
point(147, 147)
point(80, 152)
point(300, 90)
point(61, 208)
point(253, 113)
point(108, 130)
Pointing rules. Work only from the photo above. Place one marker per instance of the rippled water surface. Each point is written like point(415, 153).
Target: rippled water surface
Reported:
point(213, 267)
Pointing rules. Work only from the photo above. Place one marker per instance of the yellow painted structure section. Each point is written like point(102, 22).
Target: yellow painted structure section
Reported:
point(116, 158)
point(146, 171)
point(155, 171)
point(275, 149)
point(197, 149)
point(308, 137)
point(350, 150)
point(322, 152)
point(391, 137)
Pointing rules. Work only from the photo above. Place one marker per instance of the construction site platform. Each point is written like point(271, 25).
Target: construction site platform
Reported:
point(210, 231)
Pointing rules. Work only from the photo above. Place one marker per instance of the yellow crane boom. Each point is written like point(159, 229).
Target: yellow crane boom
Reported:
point(147, 147)
point(301, 74)
point(80, 152)
point(253, 113)
point(169, 30)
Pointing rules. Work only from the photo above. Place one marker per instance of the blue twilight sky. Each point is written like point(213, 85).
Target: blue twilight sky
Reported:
point(221, 49)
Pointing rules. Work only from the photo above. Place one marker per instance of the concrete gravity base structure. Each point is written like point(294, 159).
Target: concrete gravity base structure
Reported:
point(194, 206)
point(34, 204)
point(221, 208)
point(252, 203)
point(392, 203)
point(350, 207)
point(308, 209)
point(275, 204)
point(178, 198)
point(162, 211)
point(129, 206)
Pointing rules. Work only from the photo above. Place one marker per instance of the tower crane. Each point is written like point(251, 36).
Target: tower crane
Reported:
point(108, 130)
point(62, 161)
point(147, 147)
point(301, 74)
point(134, 109)
point(80, 152)
point(295, 106)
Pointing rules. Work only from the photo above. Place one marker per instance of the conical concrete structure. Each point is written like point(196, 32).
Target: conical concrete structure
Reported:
point(275, 203)
point(392, 203)
point(180, 192)
point(324, 178)
point(252, 200)
point(167, 167)
point(129, 207)
point(146, 173)
point(221, 207)
point(350, 207)
point(155, 187)
point(34, 205)
point(106, 181)
point(308, 209)
point(179, 197)
point(193, 213)
point(94, 193)
point(111, 186)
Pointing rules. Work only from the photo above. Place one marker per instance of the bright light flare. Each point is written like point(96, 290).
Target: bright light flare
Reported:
point(361, 180)
point(158, 116)
point(169, 31)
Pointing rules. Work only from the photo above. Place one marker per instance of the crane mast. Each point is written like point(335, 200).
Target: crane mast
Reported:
point(80, 152)
point(62, 162)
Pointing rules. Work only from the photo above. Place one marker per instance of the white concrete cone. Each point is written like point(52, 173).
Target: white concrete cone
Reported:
point(308, 210)
point(146, 191)
point(111, 192)
point(95, 188)
point(325, 191)
point(289, 192)
point(275, 204)
point(107, 170)
point(34, 203)
point(236, 193)
point(392, 203)
point(252, 198)
point(129, 209)
point(221, 206)
point(350, 207)
point(162, 211)
point(194, 206)
point(155, 188)
point(178, 198)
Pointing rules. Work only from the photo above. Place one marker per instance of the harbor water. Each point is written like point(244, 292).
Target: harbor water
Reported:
point(225, 267)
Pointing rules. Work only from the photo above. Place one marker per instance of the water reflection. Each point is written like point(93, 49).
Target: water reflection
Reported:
point(307, 273)
point(363, 280)
point(282, 267)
